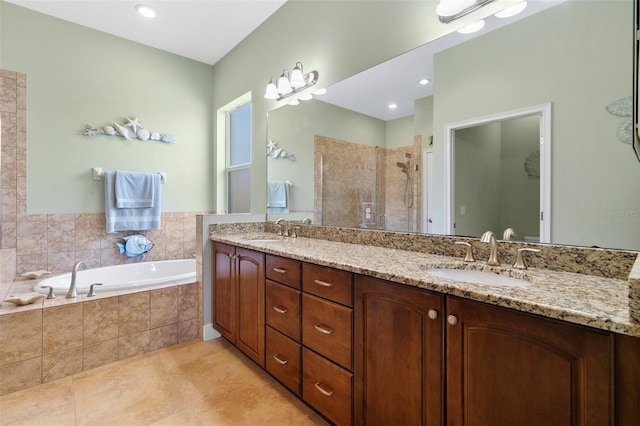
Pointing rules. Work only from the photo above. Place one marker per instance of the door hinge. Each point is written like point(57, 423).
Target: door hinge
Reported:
point(541, 215)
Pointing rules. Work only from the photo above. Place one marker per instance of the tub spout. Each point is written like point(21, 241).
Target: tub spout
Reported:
point(72, 288)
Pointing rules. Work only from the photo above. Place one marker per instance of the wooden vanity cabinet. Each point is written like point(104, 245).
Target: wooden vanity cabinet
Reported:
point(238, 298)
point(283, 310)
point(399, 364)
point(327, 339)
point(506, 368)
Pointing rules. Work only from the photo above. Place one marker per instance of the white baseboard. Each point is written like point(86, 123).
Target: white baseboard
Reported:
point(209, 333)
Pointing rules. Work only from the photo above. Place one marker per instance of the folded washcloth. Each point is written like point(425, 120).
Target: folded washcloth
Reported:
point(134, 189)
point(133, 219)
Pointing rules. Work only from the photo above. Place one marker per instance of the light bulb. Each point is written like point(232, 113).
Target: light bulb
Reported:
point(297, 78)
point(284, 87)
point(272, 90)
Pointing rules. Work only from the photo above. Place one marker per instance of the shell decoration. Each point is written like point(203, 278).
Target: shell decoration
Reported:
point(623, 108)
point(274, 152)
point(132, 129)
point(135, 245)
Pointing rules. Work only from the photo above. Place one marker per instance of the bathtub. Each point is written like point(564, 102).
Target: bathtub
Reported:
point(124, 277)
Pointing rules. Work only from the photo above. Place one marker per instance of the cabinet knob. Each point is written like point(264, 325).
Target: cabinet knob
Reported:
point(452, 319)
point(433, 314)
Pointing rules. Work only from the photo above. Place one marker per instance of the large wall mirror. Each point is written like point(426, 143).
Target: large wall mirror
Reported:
point(358, 164)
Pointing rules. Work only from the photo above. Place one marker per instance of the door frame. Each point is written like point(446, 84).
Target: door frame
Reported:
point(544, 112)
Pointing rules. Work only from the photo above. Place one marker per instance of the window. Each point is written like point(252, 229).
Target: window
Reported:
point(238, 147)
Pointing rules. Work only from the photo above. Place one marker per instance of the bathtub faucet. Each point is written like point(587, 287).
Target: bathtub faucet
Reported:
point(72, 288)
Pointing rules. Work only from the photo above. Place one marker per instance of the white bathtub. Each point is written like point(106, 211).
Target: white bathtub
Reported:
point(124, 277)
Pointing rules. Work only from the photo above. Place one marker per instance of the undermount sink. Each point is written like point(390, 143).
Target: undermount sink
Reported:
point(478, 277)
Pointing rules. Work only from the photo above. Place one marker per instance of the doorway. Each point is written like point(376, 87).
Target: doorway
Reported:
point(495, 179)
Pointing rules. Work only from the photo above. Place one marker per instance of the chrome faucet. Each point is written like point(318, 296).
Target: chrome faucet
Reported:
point(72, 288)
point(283, 227)
point(489, 237)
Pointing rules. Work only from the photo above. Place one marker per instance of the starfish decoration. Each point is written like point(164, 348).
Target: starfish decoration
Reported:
point(270, 146)
point(134, 124)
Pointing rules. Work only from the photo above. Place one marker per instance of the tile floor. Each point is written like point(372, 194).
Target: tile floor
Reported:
point(192, 383)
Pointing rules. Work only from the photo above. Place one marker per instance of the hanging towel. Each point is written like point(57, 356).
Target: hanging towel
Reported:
point(134, 189)
point(130, 219)
point(277, 197)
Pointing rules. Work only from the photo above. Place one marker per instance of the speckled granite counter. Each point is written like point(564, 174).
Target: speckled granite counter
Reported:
point(589, 300)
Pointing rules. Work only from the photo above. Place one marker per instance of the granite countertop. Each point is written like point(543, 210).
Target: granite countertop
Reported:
point(593, 301)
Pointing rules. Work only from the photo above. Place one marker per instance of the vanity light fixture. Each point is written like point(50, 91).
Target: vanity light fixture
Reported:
point(146, 11)
point(288, 85)
point(424, 81)
point(512, 11)
point(472, 28)
point(448, 10)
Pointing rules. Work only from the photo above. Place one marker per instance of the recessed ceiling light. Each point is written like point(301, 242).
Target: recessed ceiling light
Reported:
point(320, 91)
point(423, 81)
point(472, 28)
point(511, 11)
point(393, 106)
point(146, 11)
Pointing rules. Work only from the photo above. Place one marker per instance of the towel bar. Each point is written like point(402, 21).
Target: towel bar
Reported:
point(98, 173)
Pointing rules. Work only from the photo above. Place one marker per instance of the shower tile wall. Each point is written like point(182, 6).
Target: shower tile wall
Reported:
point(347, 174)
point(56, 241)
point(344, 178)
point(399, 216)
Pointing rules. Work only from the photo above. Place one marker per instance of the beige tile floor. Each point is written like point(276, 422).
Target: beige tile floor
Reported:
point(192, 383)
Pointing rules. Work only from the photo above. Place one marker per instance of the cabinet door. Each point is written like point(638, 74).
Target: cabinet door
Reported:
point(250, 281)
point(511, 368)
point(398, 354)
point(224, 291)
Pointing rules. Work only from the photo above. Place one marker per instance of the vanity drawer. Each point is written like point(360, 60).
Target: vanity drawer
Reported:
point(283, 270)
point(283, 360)
point(327, 387)
point(282, 305)
point(329, 283)
point(327, 329)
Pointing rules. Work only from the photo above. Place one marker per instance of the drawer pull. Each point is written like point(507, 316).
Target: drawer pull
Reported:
point(280, 309)
point(280, 361)
point(323, 391)
point(323, 283)
point(280, 270)
point(323, 329)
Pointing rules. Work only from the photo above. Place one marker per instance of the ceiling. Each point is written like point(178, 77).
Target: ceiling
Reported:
point(202, 30)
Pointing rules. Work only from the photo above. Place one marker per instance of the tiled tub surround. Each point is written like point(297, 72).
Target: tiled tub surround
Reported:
point(56, 338)
point(591, 300)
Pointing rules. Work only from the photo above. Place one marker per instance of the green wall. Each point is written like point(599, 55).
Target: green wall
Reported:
point(79, 76)
point(337, 38)
point(578, 57)
point(293, 129)
point(400, 132)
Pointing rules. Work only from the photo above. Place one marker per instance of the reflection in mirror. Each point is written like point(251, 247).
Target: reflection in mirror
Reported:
point(494, 188)
point(553, 56)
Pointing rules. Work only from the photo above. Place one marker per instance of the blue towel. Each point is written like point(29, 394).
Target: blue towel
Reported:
point(277, 197)
point(134, 189)
point(134, 219)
